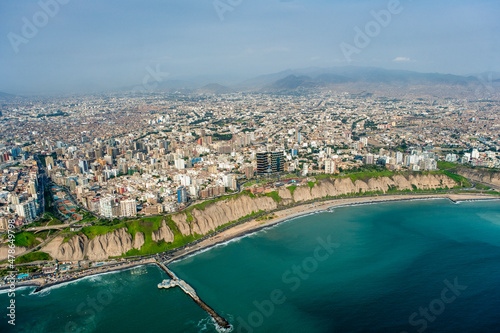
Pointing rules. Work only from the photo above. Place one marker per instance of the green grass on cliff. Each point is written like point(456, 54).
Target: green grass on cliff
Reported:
point(33, 256)
point(98, 230)
point(443, 165)
point(274, 195)
point(26, 239)
point(368, 174)
point(482, 187)
point(364, 176)
point(151, 247)
point(460, 180)
point(146, 225)
point(312, 184)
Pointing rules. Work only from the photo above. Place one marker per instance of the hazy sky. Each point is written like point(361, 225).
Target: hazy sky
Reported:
point(100, 44)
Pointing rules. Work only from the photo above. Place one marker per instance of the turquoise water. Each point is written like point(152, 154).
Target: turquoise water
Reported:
point(358, 269)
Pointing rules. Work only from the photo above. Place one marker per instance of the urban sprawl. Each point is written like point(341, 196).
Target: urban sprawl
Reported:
point(115, 156)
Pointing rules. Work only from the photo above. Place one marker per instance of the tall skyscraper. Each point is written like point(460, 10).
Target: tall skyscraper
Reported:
point(277, 161)
point(270, 162)
point(262, 162)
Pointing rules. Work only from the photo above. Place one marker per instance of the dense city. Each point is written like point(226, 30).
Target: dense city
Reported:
point(117, 156)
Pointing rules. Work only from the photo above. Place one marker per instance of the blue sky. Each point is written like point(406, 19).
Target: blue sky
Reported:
point(102, 44)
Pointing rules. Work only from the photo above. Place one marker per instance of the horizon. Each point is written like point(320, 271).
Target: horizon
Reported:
point(64, 47)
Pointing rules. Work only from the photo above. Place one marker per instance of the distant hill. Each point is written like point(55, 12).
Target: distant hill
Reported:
point(366, 79)
point(4, 95)
point(213, 89)
point(292, 82)
point(344, 75)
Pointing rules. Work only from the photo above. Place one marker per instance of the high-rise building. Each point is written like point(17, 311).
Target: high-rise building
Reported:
point(106, 206)
point(27, 210)
point(262, 162)
point(475, 154)
point(128, 207)
point(369, 159)
point(329, 167)
point(277, 161)
point(270, 162)
point(182, 194)
point(84, 165)
point(180, 164)
point(14, 199)
point(123, 168)
point(163, 144)
point(399, 157)
point(98, 153)
point(249, 172)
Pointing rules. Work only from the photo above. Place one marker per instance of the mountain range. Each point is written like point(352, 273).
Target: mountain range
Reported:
point(355, 80)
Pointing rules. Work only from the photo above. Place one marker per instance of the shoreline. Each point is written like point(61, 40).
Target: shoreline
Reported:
point(253, 226)
point(288, 214)
point(41, 286)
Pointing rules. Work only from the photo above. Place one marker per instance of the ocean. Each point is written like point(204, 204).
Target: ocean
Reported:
point(418, 266)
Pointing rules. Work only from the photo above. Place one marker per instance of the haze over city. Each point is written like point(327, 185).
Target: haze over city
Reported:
point(94, 45)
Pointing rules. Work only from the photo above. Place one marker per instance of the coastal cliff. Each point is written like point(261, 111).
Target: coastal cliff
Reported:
point(112, 244)
point(163, 233)
point(207, 217)
point(482, 175)
point(202, 221)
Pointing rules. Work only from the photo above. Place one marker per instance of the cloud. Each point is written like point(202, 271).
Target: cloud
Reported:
point(401, 59)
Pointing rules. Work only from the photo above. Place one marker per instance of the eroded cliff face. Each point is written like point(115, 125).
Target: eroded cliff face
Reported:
point(73, 249)
point(342, 186)
point(222, 212)
point(163, 233)
point(482, 175)
point(112, 244)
